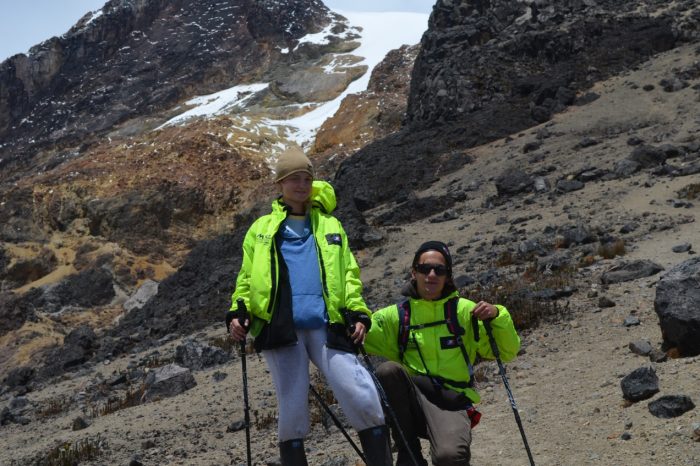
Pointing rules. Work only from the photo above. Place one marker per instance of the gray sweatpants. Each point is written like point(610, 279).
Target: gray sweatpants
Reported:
point(352, 385)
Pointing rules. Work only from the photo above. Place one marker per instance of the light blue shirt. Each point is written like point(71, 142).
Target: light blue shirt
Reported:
point(298, 248)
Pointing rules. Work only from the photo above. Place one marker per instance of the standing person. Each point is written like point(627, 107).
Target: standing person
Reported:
point(431, 340)
point(297, 276)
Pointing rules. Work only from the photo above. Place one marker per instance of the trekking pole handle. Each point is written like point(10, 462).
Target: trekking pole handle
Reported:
point(242, 313)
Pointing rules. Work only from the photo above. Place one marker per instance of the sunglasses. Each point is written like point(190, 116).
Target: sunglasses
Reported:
point(439, 269)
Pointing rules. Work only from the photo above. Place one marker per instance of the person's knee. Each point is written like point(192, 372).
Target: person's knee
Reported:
point(389, 370)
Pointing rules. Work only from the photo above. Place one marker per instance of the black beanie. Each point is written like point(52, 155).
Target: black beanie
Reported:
point(438, 246)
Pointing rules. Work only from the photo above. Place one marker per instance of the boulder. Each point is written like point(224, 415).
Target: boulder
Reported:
point(195, 355)
point(148, 290)
point(648, 156)
point(640, 384)
point(630, 270)
point(167, 381)
point(676, 304)
point(514, 181)
point(670, 406)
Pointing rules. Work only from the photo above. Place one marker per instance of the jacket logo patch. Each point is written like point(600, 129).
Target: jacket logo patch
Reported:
point(263, 238)
point(449, 342)
point(334, 238)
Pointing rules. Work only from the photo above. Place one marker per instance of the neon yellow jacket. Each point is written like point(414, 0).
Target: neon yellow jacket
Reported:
point(448, 364)
point(258, 279)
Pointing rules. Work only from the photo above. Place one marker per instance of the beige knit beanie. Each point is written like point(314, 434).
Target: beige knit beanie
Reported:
point(292, 160)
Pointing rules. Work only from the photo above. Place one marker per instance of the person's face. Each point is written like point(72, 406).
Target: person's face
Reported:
point(296, 189)
point(428, 283)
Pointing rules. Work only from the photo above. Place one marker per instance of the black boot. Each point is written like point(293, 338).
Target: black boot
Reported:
point(375, 445)
point(403, 457)
point(292, 453)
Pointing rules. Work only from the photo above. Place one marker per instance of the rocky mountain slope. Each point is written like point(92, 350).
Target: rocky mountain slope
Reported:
point(566, 186)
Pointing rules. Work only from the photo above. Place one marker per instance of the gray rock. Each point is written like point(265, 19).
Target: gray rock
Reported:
point(640, 384)
point(625, 168)
point(513, 181)
point(541, 184)
point(80, 423)
point(605, 302)
point(631, 321)
point(657, 355)
point(628, 271)
point(567, 186)
point(640, 347)
point(647, 156)
point(676, 304)
point(235, 426)
point(670, 406)
point(195, 355)
point(578, 234)
point(148, 290)
point(167, 381)
point(685, 247)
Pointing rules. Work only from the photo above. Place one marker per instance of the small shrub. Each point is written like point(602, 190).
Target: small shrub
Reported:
point(517, 296)
point(226, 343)
point(610, 250)
point(69, 454)
point(264, 420)
point(132, 398)
point(154, 361)
point(690, 192)
point(505, 259)
point(54, 406)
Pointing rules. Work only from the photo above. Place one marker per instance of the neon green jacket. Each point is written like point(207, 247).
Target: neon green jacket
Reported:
point(448, 364)
point(258, 279)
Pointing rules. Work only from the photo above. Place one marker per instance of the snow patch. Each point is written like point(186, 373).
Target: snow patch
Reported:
point(217, 103)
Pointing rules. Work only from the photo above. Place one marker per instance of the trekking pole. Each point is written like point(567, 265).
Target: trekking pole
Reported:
point(382, 394)
point(336, 421)
point(242, 317)
point(502, 370)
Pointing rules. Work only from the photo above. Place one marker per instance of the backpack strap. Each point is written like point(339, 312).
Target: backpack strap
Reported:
point(457, 330)
point(452, 322)
point(404, 326)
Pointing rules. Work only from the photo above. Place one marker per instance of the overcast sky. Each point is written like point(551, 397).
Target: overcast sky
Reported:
point(24, 23)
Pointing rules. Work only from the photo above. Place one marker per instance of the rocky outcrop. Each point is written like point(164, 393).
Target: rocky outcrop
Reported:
point(487, 69)
point(142, 57)
point(197, 295)
point(371, 114)
point(676, 304)
point(531, 56)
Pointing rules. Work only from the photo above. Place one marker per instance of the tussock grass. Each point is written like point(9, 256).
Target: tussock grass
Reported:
point(54, 406)
point(265, 420)
point(130, 399)
point(610, 250)
point(226, 343)
point(154, 361)
point(692, 191)
point(516, 294)
point(69, 454)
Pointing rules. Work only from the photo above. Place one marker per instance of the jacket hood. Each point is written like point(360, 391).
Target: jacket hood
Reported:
point(323, 196)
